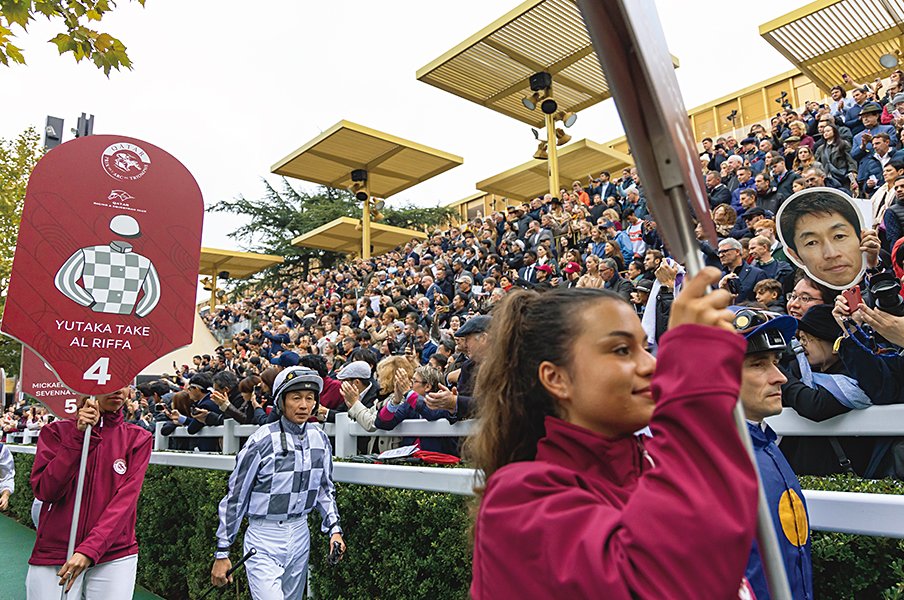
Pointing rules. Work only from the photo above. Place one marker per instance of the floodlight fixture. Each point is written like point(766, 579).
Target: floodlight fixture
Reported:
point(562, 138)
point(890, 61)
point(536, 99)
point(541, 154)
point(359, 189)
point(567, 118)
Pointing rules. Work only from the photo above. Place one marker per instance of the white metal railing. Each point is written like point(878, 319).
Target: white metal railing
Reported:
point(873, 421)
point(344, 430)
point(845, 512)
point(230, 432)
point(347, 432)
point(27, 436)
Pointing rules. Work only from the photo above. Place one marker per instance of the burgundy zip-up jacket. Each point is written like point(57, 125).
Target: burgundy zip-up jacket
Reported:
point(117, 461)
point(593, 517)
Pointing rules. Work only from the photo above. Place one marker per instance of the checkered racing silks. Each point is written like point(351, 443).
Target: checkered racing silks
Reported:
point(112, 276)
point(276, 485)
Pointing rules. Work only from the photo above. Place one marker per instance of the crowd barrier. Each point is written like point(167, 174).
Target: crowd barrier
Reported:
point(845, 512)
point(23, 437)
point(874, 421)
point(344, 431)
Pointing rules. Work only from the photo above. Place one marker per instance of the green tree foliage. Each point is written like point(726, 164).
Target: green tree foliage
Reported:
point(278, 217)
point(283, 214)
point(414, 217)
point(17, 159)
point(104, 50)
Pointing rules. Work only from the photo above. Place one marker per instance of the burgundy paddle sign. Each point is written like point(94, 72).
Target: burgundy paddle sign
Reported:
point(42, 383)
point(106, 268)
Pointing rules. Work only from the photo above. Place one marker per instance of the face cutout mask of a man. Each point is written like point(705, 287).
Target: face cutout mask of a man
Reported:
point(820, 229)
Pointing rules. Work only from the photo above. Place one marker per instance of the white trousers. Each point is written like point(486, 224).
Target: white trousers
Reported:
point(114, 579)
point(279, 569)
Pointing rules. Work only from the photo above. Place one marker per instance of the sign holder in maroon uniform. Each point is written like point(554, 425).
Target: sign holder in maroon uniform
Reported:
point(631, 46)
point(105, 272)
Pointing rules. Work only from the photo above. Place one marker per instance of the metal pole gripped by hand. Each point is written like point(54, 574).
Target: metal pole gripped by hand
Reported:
point(632, 50)
point(77, 508)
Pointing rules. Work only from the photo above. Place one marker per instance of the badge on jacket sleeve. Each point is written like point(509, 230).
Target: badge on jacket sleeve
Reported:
point(119, 465)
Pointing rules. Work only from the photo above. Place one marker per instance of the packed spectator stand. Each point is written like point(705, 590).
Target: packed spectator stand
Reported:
point(400, 337)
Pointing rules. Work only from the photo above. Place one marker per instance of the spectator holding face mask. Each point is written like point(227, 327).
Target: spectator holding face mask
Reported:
point(822, 232)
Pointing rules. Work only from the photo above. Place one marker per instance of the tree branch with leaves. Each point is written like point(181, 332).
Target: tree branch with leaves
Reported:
point(18, 158)
point(278, 217)
point(84, 42)
point(281, 215)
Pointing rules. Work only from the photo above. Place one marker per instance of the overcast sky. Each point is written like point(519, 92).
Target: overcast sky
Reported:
point(229, 88)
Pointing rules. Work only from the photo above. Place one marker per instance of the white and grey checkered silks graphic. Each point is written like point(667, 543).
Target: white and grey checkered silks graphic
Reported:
point(269, 484)
point(111, 278)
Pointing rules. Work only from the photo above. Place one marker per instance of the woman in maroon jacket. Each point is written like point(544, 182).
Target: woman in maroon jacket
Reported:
point(106, 552)
point(575, 505)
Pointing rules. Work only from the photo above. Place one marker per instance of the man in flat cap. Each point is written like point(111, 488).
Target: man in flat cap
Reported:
point(473, 338)
point(869, 117)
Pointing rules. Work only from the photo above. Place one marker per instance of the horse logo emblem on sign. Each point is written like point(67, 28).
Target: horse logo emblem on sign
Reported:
point(125, 162)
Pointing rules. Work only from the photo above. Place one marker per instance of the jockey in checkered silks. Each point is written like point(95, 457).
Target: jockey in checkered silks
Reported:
point(283, 472)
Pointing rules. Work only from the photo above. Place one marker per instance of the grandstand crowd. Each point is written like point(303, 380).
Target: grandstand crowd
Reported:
point(401, 336)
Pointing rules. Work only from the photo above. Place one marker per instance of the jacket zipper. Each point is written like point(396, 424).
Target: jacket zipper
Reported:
point(644, 455)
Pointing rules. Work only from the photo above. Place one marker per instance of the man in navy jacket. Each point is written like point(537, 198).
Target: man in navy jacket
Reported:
point(717, 191)
point(735, 268)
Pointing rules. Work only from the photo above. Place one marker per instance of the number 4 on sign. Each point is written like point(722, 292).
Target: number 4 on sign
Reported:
point(99, 371)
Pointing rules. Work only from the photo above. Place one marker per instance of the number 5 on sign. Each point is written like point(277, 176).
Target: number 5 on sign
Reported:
point(99, 371)
point(71, 405)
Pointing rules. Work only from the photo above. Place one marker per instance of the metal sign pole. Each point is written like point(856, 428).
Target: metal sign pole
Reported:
point(631, 47)
point(79, 491)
